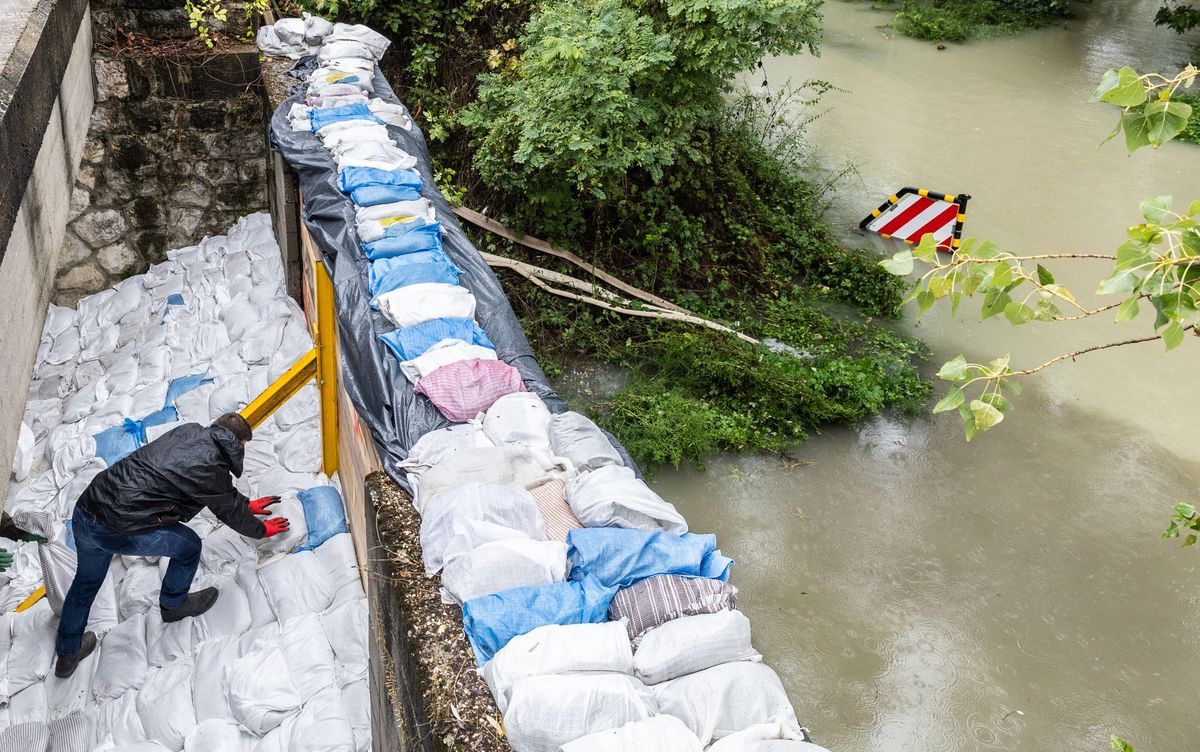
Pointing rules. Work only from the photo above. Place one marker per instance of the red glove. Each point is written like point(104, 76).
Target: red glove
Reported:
point(259, 506)
point(275, 526)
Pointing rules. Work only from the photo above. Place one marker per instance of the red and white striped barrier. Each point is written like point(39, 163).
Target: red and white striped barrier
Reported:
point(912, 213)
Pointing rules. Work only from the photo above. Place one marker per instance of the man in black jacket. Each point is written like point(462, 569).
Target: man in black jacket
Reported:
point(138, 506)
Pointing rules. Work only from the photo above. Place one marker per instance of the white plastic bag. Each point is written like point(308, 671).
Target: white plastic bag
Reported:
point(502, 465)
point(504, 505)
point(338, 559)
point(347, 631)
point(32, 652)
point(208, 679)
point(612, 496)
point(164, 703)
point(693, 643)
point(519, 418)
point(308, 654)
point(322, 725)
point(261, 613)
point(296, 585)
point(662, 733)
point(556, 649)
point(501, 565)
point(546, 712)
point(214, 735)
point(356, 699)
point(300, 448)
point(777, 736)
point(261, 689)
point(124, 662)
point(721, 700)
point(229, 617)
point(167, 641)
point(119, 721)
point(581, 441)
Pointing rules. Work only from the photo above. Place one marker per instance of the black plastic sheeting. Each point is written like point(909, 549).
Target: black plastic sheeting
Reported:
point(385, 400)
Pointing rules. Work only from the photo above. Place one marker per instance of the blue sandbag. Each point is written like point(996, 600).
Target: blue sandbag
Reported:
point(492, 620)
point(329, 115)
point(410, 342)
point(373, 195)
point(113, 444)
point(324, 514)
point(165, 415)
point(619, 557)
point(412, 274)
point(353, 178)
point(183, 385)
point(424, 238)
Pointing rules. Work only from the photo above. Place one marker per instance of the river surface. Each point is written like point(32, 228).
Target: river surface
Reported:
point(914, 591)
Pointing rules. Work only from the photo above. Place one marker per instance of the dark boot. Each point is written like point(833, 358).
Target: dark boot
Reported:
point(66, 664)
point(196, 604)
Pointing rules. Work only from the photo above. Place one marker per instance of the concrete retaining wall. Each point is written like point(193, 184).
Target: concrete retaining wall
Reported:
point(46, 97)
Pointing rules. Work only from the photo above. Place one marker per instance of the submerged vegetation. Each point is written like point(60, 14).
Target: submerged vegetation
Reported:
point(608, 128)
point(960, 20)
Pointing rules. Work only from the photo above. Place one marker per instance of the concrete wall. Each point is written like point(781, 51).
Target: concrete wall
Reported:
point(31, 252)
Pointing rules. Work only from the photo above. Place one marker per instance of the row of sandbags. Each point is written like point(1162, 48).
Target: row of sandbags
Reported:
point(280, 661)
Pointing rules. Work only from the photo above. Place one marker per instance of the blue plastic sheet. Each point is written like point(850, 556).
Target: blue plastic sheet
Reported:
point(324, 514)
point(493, 620)
point(373, 195)
point(174, 299)
point(183, 385)
point(410, 342)
point(113, 444)
point(165, 415)
point(620, 557)
point(323, 117)
point(413, 274)
point(426, 237)
point(353, 178)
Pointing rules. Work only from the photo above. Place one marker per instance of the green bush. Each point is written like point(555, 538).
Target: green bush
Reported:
point(959, 20)
point(1192, 131)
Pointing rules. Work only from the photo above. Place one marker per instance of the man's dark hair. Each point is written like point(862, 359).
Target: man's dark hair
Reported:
point(236, 424)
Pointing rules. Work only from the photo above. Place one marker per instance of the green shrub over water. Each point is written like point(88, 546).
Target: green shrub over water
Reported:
point(959, 20)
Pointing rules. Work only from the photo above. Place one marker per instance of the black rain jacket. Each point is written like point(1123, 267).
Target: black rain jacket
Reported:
point(170, 480)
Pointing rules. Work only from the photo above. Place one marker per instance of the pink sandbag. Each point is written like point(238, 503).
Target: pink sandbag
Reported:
point(465, 388)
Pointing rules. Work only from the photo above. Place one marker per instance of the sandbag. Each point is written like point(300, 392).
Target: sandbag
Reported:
point(322, 725)
point(300, 448)
point(270, 549)
point(65, 697)
point(661, 733)
point(123, 662)
point(71, 733)
point(208, 678)
point(29, 705)
point(557, 649)
point(724, 699)
point(297, 585)
point(581, 441)
point(308, 654)
point(612, 496)
point(436, 446)
point(776, 736)
point(546, 712)
point(167, 641)
point(224, 549)
point(347, 631)
point(32, 651)
point(503, 565)
point(23, 459)
point(619, 557)
point(338, 559)
point(324, 515)
point(261, 690)
point(464, 389)
point(164, 703)
point(119, 721)
point(503, 465)
point(228, 617)
point(657, 600)
point(261, 612)
point(520, 418)
point(693, 643)
point(217, 735)
point(356, 700)
point(503, 505)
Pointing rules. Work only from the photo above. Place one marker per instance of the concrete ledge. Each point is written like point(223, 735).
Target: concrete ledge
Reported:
point(30, 82)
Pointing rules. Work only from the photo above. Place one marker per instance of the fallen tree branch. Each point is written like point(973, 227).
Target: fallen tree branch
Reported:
point(491, 225)
point(612, 302)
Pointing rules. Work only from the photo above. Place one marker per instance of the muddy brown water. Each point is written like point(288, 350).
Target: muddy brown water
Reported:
point(916, 592)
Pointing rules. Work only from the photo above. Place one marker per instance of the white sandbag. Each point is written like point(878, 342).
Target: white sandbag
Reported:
point(148, 399)
point(215, 735)
point(167, 641)
point(29, 705)
point(154, 367)
point(501, 565)
point(281, 544)
point(104, 342)
point(442, 353)
point(502, 465)
point(42, 415)
point(612, 496)
point(139, 590)
point(437, 445)
point(208, 678)
point(261, 342)
point(36, 493)
point(73, 694)
point(228, 617)
point(556, 649)
point(338, 559)
point(104, 614)
point(124, 661)
point(238, 316)
point(58, 320)
point(71, 456)
point(415, 304)
point(32, 653)
point(23, 459)
point(108, 413)
point(342, 32)
point(224, 549)
point(230, 395)
point(65, 347)
point(119, 721)
point(581, 441)
point(126, 298)
point(322, 725)
point(192, 406)
point(347, 631)
point(546, 712)
point(693, 643)
point(70, 493)
point(505, 505)
point(296, 585)
point(164, 703)
point(519, 418)
point(356, 700)
point(662, 733)
point(721, 700)
point(301, 407)
point(308, 654)
point(261, 690)
point(6, 620)
point(261, 613)
point(300, 448)
point(228, 362)
point(777, 736)
point(122, 376)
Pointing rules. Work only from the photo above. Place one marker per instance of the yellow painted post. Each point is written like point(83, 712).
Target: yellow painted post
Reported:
point(327, 369)
point(283, 388)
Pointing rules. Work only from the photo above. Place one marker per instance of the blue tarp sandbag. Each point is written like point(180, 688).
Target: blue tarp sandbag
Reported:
point(373, 195)
point(383, 266)
point(493, 620)
point(324, 514)
point(619, 557)
point(412, 274)
point(410, 342)
point(424, 238)
point(165, 415)
point(323, 117)
point(113, 444)
point(353, 178)
point(182, 385)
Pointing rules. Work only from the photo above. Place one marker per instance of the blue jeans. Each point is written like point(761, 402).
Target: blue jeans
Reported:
point(95, 545)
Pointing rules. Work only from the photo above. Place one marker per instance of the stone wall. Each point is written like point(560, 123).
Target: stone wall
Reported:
point(176, 149)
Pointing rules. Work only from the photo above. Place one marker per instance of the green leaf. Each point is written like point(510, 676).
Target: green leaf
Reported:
point(1012, 387)
point(1018, 313)
point(972, 283)
point(1191, 242)
point(986, 416)
point(912, 294)
point(1190, 540)
point(940, 287)
point(968, 421)
point(987, 249)
point(1002, 276)
point(1155, 124)
point(996, 400)
point(1122, 281)
point(1194, 208)
point(924, 301)
point(1184, 510)
point(993, 303)
point(926, 250)
point(955, 299)
point(1000, 365)
point(953, 399)
point(954, 370)
point(900, 264)
point(1123, 88)
point(1119, 744)
point(1137, 130)
point(1128, 310)
point(1044, 275)
point(1132, 254)
point(1047, 311)
point(1173, 335)
point(1060, 291)
point(1157, 209)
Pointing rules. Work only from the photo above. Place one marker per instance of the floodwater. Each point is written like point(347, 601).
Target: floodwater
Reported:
point(916, 592)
